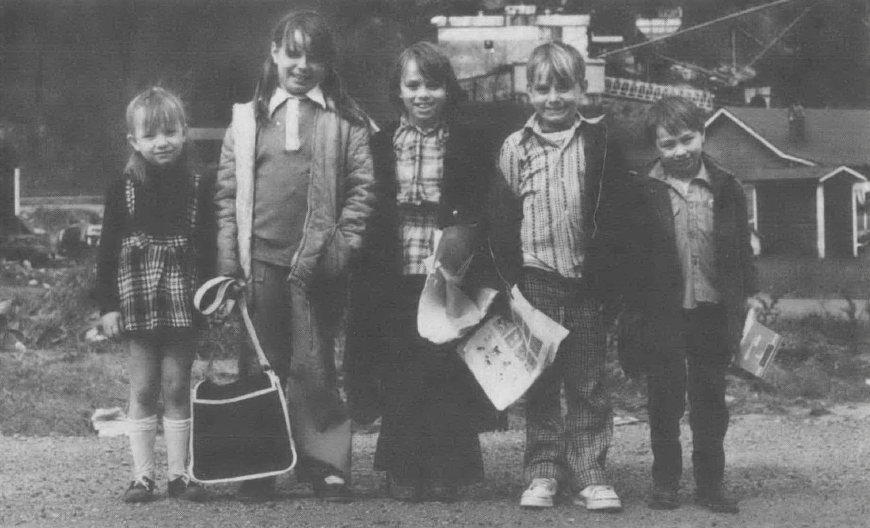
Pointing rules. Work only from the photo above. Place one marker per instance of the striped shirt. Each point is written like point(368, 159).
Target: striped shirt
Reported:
point(547, 172)
point(419, 171)
point(692, 206)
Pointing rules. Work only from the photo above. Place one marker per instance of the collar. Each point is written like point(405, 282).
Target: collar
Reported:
point(405, 123)
point(281, 95)
point(658, 172)
point(532, 126)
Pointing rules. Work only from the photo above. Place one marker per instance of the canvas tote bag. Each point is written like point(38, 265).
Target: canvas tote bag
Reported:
point(239, 430)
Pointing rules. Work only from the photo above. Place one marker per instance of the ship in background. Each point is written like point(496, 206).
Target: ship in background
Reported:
point(717, 54)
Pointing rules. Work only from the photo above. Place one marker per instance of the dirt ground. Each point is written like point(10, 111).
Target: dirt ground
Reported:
point(790, 470)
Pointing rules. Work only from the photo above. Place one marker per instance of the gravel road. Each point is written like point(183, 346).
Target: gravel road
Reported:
point(789, 470)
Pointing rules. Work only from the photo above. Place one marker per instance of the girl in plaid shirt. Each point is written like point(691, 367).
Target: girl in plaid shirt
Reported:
point(432, 173)
point(149, 262)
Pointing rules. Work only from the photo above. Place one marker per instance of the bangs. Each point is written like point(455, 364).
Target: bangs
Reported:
point(676, 125)
point(316, 46)
point(159, 117)
point(153, 110)
point(433, 65)
point(554, 63)
point(555, 74)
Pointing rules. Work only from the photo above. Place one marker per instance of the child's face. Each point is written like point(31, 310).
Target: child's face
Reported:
point(161, 146)
point(680, 153)
point(298, 72)
point(424, 99)
point(555, 102)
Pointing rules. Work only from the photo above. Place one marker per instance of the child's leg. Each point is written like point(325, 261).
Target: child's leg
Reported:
point(144, 373)
point(545, 429)
point(589, 418)
point(178, 355)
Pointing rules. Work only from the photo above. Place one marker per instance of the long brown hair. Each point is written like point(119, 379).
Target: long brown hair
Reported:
point(434, 66)
point(320, 45)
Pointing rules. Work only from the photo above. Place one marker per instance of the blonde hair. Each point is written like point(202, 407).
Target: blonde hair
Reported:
point(556, 61)
point(151, 110)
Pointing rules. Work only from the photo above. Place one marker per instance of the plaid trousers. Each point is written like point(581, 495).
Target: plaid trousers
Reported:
point(572, 449)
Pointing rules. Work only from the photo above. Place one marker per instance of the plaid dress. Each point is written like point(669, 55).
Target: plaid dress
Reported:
point(157, 274)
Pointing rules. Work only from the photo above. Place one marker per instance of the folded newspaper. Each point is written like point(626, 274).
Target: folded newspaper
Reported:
point(507, 354)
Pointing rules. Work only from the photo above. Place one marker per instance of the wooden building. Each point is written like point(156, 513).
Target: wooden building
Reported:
point(803, 171)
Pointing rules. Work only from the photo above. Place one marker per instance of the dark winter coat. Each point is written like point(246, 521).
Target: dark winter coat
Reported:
point(653, 286)
point(472, 192)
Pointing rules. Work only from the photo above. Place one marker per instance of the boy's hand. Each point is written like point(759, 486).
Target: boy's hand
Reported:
point(753, 303)
point(111, 323)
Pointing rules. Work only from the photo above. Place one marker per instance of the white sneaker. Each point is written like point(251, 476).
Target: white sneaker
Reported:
point(539, 494)
point(599, 498)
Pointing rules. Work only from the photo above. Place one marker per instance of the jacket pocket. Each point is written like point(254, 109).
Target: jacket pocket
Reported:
point(336, 255)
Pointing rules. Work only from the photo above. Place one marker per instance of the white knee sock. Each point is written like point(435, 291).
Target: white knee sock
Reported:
point(142, 435)
point(177, 434)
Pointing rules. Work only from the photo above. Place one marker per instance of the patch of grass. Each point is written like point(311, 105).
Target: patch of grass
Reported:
point(44, 393)
point(55, 308)
point(812, 278)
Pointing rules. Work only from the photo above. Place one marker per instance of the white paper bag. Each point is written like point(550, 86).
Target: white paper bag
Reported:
point(446, 312)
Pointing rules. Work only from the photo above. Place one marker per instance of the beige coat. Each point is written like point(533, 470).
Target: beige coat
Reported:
point(340, 197)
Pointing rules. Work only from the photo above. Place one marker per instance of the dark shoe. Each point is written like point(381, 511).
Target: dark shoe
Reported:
point(185, 489)
point(663, 498)
point(259, 490)
point(716, 499)
point(403, 490)
point(333, 489)
point(140, 490)
point(441, 490)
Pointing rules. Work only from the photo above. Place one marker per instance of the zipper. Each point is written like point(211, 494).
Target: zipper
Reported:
point(600, 186)
point(294, 262)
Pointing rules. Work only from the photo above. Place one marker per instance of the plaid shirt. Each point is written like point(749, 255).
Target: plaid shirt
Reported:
point(548, 177)
point(692, 205)
point(419, 171)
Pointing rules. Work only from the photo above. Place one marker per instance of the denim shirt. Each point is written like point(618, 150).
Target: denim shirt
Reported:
point(692, 207)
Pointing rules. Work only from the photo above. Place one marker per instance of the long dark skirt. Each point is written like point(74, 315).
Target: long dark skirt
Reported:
point(432, 404)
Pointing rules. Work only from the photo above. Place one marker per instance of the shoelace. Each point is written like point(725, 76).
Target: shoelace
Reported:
point(541, 484)
point(145, 483)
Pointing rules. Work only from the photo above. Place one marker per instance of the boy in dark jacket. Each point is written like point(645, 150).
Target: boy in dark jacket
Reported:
point(687, 299)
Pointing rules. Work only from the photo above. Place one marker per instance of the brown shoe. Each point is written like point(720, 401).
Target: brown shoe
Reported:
point(403, 490)
point(257, 490)
point(716, 499)
point(663, 498)
point(140, 490)
point(441, 490)
point(333, 489)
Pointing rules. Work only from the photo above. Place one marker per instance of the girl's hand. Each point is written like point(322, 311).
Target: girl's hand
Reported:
point(111, 323)
point(220, 315)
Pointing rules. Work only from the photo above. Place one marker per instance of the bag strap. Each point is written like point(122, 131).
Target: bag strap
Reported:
point(218, 289)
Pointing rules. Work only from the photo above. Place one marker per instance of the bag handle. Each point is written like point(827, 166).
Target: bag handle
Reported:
point(216, 290)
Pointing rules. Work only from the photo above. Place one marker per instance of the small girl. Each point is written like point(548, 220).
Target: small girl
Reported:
point(149, 262)
point(433, 173)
